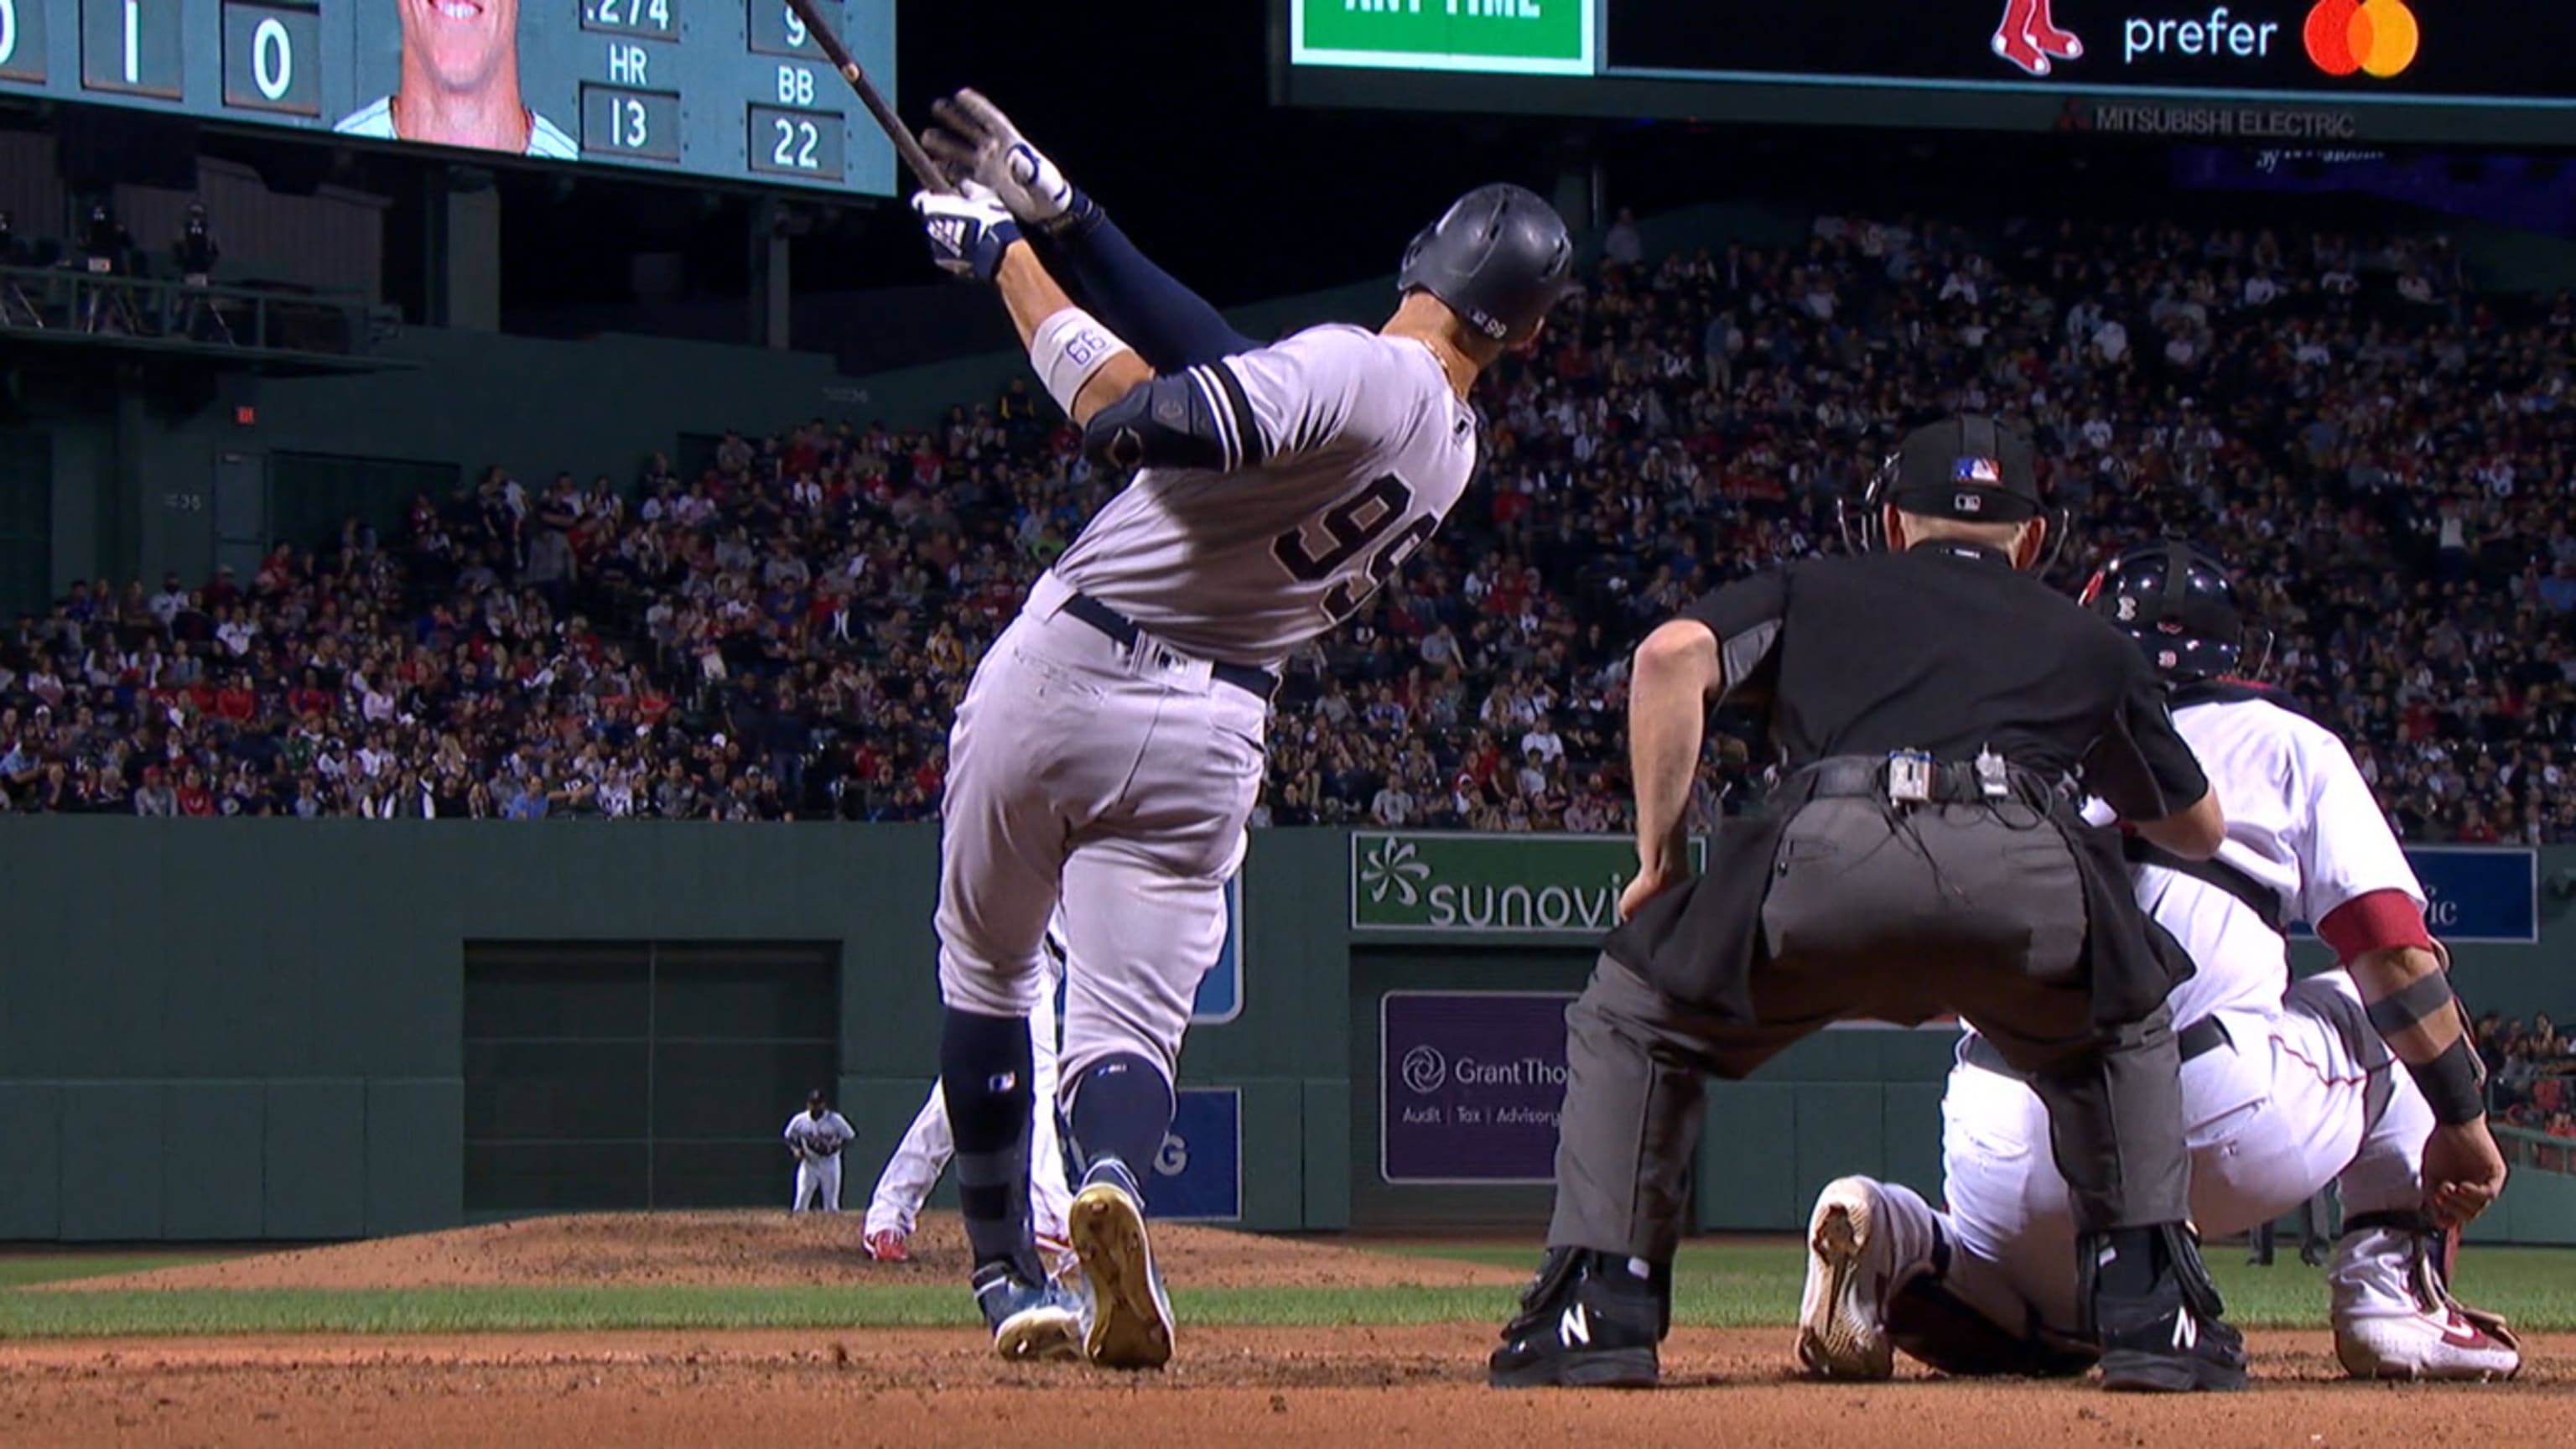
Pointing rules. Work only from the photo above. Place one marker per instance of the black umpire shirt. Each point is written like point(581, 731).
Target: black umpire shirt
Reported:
point(1945, 648)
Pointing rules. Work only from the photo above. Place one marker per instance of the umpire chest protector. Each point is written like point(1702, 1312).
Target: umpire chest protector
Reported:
point(1889, 677)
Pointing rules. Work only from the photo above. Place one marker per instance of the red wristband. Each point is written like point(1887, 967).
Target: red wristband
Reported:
point(2374, 921)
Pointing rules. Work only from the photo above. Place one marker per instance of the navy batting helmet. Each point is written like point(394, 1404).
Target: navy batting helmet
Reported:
point(2179, 604)
point(1499, 256)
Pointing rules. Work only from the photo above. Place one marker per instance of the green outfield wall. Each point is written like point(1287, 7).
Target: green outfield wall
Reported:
point(223, 1030)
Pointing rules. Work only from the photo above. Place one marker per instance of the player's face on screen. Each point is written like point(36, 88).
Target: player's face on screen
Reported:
point(460, 43)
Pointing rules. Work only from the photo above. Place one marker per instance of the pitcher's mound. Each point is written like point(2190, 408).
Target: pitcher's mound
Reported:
point(754, 1247)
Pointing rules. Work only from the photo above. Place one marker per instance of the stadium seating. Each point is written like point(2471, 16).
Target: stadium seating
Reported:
point(2387, 453)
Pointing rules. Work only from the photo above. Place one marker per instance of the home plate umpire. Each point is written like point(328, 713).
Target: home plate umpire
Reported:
point(1939, 714)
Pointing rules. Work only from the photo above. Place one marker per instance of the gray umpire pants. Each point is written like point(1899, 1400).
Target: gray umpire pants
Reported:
point(1873, 914)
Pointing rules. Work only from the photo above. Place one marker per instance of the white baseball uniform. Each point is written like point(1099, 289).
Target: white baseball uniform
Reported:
point(927, 1145)
point(818, 1142)
point(2299, 1093)
point(1119, 776)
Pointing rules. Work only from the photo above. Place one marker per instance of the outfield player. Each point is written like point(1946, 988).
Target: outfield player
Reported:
point(1110, 744)
point(2286, 1086)
point(815, 1138)
point(927, 1145)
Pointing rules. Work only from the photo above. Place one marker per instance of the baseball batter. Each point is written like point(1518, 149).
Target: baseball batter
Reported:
point(927, 1145)
point(2286, 1086)
point(815, 1138)
point(1110, 743)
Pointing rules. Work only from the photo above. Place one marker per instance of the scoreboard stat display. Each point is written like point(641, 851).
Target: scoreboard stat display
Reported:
point(733, 89)
point(2474, 70)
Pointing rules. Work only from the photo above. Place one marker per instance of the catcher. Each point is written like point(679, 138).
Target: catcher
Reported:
point(2286, 1087)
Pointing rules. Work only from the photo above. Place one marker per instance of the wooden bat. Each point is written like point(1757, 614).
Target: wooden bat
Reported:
point(905, 144)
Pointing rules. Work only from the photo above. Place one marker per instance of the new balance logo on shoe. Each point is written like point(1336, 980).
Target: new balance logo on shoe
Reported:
point(2186, 1331)
point(1575, 1327)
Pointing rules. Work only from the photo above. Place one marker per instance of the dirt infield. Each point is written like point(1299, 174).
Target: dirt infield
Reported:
point(761, 1249)
point(1340, 1387)
point(908, 1388)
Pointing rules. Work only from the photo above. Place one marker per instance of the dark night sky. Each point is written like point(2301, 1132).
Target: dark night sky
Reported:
point(1160, 110)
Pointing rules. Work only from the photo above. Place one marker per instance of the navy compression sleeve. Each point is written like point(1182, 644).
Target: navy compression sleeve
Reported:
point(1170, 326)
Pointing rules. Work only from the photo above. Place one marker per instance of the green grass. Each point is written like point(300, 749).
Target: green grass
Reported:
point(111, 1311)
point(1732, 1283)
point(18, 1272)
point(1729, 1284)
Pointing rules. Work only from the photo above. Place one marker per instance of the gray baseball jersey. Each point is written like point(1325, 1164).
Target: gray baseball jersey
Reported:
point(1344, 450)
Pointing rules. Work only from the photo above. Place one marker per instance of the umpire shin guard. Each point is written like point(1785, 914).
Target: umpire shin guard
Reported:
point(2149, 1303)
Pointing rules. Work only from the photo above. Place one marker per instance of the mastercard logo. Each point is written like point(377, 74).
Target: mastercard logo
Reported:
point(2375, 37)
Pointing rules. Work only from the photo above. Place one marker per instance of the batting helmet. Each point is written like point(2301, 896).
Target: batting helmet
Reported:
point(2179, 604)
point(1499, 256)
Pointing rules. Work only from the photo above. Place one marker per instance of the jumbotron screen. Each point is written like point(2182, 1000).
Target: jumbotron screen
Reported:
point(2459, 70)
point(733, 89)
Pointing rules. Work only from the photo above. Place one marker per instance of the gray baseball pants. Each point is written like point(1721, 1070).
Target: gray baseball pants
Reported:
point(1973, 909)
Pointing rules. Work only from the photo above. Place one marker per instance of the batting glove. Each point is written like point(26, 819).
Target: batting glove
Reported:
point(975, 140)
point(968, 231)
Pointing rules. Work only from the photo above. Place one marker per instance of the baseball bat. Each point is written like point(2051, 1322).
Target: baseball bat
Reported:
point(905, 144)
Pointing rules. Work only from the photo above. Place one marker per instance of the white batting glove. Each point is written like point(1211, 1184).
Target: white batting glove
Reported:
point(978, 141)
point(968, 231)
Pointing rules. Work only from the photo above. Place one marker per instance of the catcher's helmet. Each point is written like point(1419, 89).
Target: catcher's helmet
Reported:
point(1499, 256)
point(2178, 602)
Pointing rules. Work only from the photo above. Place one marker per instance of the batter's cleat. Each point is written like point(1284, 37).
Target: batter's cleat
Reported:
point(1587, 1320)
point(2395, 1318)
point(887, 1246)
point(1131, 1316)
point(1842, 1318)
point(1030, 1321)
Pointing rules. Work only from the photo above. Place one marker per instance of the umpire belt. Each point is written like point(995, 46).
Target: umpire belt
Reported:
point(1954, 782)
point(1124, 630)
point(2196, 1040)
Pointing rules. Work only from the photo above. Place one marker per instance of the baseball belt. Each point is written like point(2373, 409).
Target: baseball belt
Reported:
point(1125, 632)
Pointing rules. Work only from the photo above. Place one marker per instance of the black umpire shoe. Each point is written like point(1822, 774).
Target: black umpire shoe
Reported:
point(1588, 1320)
point(2157, 1315)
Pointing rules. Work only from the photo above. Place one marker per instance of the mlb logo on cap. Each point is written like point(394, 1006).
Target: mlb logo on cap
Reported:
point(1977, 470)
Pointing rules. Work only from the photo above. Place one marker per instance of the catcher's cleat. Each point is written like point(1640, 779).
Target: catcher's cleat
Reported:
point(2395, 1318)
point(1842, 1317)
point(886, 1245)
point(1587, 1320)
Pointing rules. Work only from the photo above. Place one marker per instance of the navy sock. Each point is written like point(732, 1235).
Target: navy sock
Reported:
point(1122, 1107)
point(985, 1070)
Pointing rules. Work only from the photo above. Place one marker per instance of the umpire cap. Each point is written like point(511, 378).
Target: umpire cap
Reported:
point(1968, 467)
point(2179, 605)
point(1499, 256)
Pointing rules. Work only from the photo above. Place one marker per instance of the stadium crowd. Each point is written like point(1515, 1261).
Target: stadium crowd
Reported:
point(2529, 1066)
point(2388, 456)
